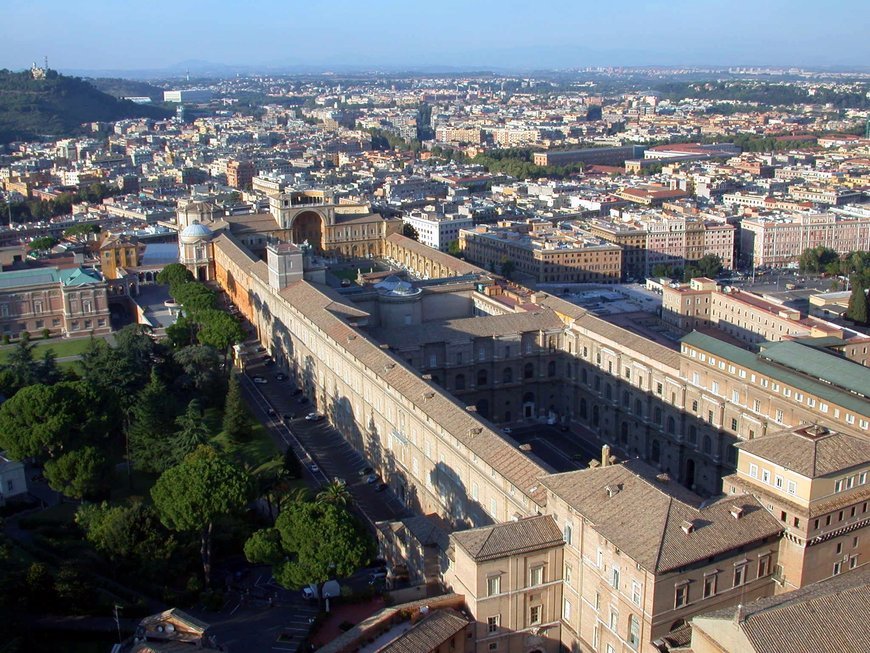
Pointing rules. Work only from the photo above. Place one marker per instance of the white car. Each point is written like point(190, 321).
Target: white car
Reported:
point(314, 417)
point(313, 467)
point(260, 380)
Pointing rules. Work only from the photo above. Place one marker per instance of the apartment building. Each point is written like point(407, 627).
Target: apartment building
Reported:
point(240, 174)
point(772, 241)
point(743, 315)
point(814, 480)
point(591, 155)
point(663, 238)
point(435, 229)
point(544, 255)
point(117, 252)
point(457, 135)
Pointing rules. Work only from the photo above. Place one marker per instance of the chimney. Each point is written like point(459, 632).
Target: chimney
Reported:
point(736, 512)
point(688, 527)
point(739, 614)
point(605, 455)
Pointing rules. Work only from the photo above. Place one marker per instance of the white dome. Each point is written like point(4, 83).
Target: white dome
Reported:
point(196, 231)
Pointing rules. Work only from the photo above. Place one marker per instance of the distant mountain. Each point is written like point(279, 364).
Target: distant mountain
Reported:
point(121, 88)
point(58, 106)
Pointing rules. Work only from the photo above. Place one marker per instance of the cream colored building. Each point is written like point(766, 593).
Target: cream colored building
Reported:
point(814, 480)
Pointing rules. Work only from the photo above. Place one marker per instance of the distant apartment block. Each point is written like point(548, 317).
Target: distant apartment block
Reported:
point(656, 238)
point(777, 240)
point(591, 155)
point(544, 254)
point(188, 95)
point(240, 174)
point(458, 135)
point(748, 317)
point(677, 153)
point(436, 229)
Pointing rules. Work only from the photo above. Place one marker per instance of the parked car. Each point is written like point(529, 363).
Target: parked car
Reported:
point(377, 577)
point(365, 471)
point(314, 417)
point(260, 380)
point(371, 479)
point(288, 417)
point(507, 430)
point(313, 467)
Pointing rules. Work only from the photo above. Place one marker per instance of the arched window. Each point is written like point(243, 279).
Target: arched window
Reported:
point(595, 415)
point(655, 451)
point(623, 435)
point(507, 375)
point(482, 377)
point(583, 412)
point(672, 425)
point(626, 398)
point(608, 392)
point(551, 368)
point(708, 444)
point(528, 371)
point(638, 407)
point(693, 434)
point(585, 376)
point(459, 382)
point(658, 416)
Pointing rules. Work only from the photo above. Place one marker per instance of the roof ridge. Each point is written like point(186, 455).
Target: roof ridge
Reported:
point(664, 532)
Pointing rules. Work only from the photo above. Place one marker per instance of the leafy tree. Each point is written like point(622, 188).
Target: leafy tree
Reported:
point(81, 232)
point(46, 420)
point(310, 543)
point(409, 231)
point(151, 427)
point(193, 296)
point(41, 244)
point(857, 310)
point(174, 274)
point(82, 473)
point(181, 333)
point(237, 418)
point(292, 465)
point(507, 268)
point(127, 534)
point(335, 493)
point(73, 590)
point(455, 249)
point(219, 330)
point(815, 260)
point(192, 431)
point(200, 372)
point(192, 495)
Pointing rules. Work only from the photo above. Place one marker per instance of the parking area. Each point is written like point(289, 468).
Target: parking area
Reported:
point(277, 404)
point(564, 451)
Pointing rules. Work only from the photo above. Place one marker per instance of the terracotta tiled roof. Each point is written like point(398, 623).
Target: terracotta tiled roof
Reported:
point(428, 634)
point(825, 616)
point(810, 455)
point(644, 517)
point(509, 538)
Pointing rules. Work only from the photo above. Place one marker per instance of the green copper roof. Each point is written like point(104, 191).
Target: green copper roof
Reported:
point(41, 276)
point(852, 398)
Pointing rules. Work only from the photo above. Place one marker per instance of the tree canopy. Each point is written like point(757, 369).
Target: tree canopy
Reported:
point(192, 495)
point(310, 543)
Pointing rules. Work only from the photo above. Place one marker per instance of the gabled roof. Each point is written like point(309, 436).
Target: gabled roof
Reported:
point(645, 517)
point(825, 616)
point(509, 538)
point(811, 451)
point(428, 634)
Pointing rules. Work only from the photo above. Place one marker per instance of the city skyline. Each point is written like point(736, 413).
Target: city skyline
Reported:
point(391, 35)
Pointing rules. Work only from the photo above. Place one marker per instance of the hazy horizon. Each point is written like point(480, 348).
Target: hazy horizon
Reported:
point(120, 36)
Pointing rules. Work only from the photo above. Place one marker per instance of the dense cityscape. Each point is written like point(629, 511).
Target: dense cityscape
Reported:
point(567, 360)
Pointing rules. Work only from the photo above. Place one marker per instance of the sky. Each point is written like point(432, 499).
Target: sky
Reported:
point(483, 34)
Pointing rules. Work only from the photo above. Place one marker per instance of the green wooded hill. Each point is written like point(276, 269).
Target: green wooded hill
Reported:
point(58, 106)
point(119, 88)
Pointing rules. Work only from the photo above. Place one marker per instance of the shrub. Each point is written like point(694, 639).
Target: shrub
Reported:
point(46, 334)
point(25, 336)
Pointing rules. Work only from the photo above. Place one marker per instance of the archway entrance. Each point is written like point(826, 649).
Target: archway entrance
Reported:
point(308, 226)
point(690, 473)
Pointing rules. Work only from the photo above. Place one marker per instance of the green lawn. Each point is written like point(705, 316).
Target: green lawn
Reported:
point(258, 450)
point(350, 273)
point(61, 348)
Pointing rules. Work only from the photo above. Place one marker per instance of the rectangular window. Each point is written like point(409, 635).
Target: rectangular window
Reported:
point(492, 623)
point(753, 470)
point(614, 620)
point(763, 566)
point(635, 592)
point(778, 481)
point(733, 423)
point(792, 488)
point(535, 614)
point(837, 568)
point(566, 610)
point(599, 559)
point(568, 533)
point(739, 575)
point(597, 601)
point(536, 576)
point(765, 475)
point(681, 595)
point(493, 585)
point(710, 586)
point(614, 577)
point(568, 574)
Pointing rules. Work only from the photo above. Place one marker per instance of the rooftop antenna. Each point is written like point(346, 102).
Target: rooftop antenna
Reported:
point(188, 74)
point(46, 62)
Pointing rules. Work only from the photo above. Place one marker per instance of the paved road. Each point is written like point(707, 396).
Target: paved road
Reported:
point(318, 443)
